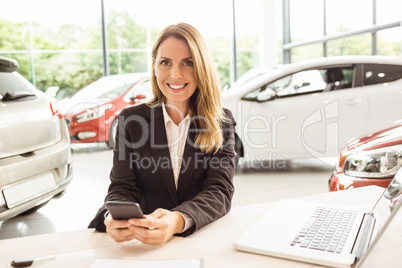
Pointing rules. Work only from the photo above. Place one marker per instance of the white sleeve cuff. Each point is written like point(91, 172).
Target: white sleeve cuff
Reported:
point(188, 221)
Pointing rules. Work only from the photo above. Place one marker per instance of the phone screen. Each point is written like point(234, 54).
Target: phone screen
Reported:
point(121, 210)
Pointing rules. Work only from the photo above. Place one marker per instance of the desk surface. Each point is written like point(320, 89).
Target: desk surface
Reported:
point(213, 243)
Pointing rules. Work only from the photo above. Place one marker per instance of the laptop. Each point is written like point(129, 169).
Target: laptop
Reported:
point(293, 229)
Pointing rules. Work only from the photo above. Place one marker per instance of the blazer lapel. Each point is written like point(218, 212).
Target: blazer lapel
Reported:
point(160, 150)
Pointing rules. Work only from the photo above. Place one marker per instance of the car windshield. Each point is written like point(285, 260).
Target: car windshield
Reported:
point(12, 87)
point(250, 75)
point(103, 88)
point(258, 78)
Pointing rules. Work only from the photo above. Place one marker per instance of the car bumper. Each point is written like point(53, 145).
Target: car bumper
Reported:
point(7, 213)
point(340, 181)
point(18, 173)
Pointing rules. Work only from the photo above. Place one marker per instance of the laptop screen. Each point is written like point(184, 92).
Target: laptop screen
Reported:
point(394, 190)
point(389, 200)
point(386, 208)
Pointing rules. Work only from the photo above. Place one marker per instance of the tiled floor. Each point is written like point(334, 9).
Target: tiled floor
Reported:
point(85, 194)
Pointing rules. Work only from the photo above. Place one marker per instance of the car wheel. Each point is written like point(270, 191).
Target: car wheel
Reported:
point(112, 134)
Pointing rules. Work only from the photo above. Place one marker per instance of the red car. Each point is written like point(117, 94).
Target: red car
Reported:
point(91, 113)
point(370, 160)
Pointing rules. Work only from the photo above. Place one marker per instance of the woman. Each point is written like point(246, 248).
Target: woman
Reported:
point(175, 154)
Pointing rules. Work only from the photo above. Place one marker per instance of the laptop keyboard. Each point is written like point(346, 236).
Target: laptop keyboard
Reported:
point(327, 230)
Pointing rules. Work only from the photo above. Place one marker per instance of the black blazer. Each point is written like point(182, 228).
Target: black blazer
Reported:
point(142, 170)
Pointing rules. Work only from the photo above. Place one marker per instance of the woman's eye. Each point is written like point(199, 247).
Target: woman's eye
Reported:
point(188, 63)
point(165, 63)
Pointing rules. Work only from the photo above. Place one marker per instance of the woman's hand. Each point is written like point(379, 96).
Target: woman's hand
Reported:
point(118, 229)
point(156, 228)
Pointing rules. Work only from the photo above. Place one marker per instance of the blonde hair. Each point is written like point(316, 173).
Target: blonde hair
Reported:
point(205, 104)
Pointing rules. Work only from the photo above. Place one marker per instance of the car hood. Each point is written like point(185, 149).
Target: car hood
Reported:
point(27, 125)
point(74, 106)
point(386, 137)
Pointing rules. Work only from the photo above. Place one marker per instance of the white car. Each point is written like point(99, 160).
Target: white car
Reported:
point(312, 108)
point(35, 154)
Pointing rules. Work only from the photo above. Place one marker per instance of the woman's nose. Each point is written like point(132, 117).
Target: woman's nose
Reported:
point(176, 72)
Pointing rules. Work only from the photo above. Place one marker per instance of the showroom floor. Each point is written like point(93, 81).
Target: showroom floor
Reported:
point(85, 194)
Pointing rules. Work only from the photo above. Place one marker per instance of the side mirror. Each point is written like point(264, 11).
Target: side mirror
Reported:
point(304, 84)
point(266, 95)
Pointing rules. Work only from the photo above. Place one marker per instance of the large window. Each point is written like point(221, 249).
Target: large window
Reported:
point(306, 19)
point(248, 29)
point(59, 43)
point(341, 27)
point(134, 25)
point(347, 15)
point(353, 45)
point(388, 11)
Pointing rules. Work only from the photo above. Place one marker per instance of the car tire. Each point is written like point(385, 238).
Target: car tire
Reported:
point(112, 134)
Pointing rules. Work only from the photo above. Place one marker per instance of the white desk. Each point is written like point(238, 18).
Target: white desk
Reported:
point(213, 243)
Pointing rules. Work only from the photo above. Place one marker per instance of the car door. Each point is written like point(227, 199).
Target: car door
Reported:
point(304, 120)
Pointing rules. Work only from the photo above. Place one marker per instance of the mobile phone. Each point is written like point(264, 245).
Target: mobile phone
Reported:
point(123, 210)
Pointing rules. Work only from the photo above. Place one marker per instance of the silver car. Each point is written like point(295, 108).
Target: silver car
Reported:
point(35, 154)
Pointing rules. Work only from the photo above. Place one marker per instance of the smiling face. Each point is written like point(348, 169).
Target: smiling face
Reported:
point(174, 72)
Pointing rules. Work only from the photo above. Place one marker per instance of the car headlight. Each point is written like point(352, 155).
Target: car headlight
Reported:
point(93, 113)
point(378, 163)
